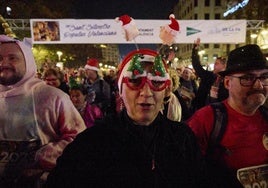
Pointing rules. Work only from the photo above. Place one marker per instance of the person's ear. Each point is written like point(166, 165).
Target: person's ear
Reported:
point(226, 82)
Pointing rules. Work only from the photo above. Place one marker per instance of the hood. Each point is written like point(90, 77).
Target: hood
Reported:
point(28, 79)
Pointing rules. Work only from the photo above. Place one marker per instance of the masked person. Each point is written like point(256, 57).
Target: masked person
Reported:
point(37, 121)
point(138, 148)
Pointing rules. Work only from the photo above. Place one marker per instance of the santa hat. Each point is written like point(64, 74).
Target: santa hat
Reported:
point(125, 19)
point(131, 67)
point(130, 29)
point(92, 64)
point(173, 27)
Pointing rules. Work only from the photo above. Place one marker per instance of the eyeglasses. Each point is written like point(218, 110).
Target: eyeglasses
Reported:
point(138, 83)
point(249, 80)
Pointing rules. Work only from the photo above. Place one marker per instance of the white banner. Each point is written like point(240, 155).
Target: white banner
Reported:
point(94, 31)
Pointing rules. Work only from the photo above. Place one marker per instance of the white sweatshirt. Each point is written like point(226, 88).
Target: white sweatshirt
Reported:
point(37, 121)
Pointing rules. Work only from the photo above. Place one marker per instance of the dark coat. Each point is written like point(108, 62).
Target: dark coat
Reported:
point(64, 87)
point(207, 79)
point(117, 153)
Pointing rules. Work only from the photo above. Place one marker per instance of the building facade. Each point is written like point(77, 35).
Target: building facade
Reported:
point(255, 12)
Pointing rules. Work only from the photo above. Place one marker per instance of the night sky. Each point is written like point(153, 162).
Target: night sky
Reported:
point(137, 9)
point(110, 9)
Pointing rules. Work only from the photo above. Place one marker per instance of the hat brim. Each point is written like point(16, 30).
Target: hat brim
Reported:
point(88, 67)
point(240, 69)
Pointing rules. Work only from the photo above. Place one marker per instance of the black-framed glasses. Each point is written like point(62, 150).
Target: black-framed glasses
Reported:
point(249, 79)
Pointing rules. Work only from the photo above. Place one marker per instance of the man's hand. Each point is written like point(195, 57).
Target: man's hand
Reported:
point(197, 43)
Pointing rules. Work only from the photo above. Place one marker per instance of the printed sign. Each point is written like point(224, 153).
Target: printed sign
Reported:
point(109, 31)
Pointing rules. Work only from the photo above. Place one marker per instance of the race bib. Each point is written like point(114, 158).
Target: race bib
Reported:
point(184, 91)
point(214, 92)
point(15, 156)
point(254, 177)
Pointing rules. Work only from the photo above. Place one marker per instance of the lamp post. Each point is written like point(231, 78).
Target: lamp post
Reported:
point(253, 37)
point(201, 53)
point(262, 39)
point(59, 64)
point(59, 53)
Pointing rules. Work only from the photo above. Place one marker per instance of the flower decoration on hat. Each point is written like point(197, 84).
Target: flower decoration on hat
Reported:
point(169, 32)
point(92, 64)
point(130, 29)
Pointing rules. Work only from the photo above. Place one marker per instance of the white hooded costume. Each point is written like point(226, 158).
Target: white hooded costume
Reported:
point(37, 121)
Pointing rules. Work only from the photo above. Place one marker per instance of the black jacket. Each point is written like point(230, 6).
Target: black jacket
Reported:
point(117, 153)
point(64, 87)
point(207, 78)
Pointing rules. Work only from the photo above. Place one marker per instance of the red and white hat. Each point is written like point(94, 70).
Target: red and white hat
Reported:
point(173, 27)
point(129, 27)
point(125, 19)
point(92, 64)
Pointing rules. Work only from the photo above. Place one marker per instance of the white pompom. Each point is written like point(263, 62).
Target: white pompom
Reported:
point(117, 19)
point(171, 16)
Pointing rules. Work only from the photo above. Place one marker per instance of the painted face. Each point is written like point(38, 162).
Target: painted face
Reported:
point(77, 98)
point(246, 90)
point(12, 64)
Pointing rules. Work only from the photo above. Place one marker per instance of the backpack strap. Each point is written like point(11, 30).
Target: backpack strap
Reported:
point(219, 127)
point(220, 122)
point(101, 86)
point(264, 112)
